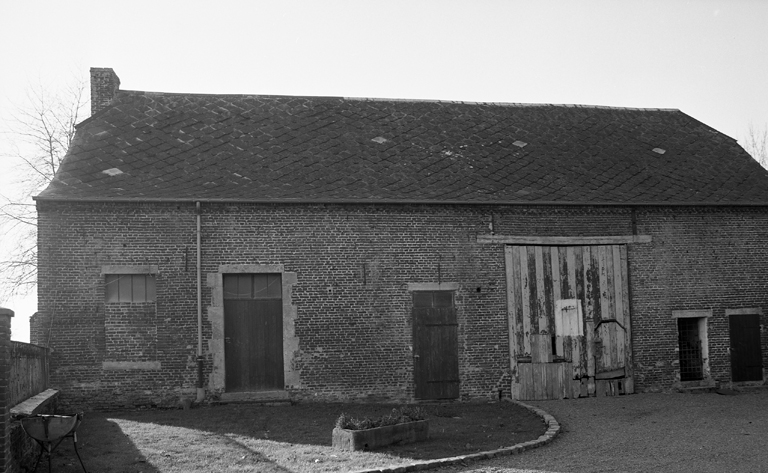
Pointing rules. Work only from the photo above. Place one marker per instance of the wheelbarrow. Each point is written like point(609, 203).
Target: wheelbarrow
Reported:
point(50, 430)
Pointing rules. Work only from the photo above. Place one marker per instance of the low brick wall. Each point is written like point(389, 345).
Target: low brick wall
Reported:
point(23, 375)
point(24, 450)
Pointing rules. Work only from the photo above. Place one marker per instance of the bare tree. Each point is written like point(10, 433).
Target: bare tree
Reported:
point(38, 134)
point(756, 144)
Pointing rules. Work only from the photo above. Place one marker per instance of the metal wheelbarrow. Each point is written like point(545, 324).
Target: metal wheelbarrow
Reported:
point(50, 430)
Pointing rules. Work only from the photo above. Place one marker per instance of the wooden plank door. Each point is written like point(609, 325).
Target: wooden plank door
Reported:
point(746, 356)
point(253, 332)
point(435, 345)
point(577, 297)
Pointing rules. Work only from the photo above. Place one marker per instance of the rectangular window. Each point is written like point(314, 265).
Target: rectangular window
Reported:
point(130, 288)
point(253, 286)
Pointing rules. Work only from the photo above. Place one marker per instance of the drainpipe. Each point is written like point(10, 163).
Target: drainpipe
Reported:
point(200, 385)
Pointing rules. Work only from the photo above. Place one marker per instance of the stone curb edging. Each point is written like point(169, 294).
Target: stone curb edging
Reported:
point(553, 428)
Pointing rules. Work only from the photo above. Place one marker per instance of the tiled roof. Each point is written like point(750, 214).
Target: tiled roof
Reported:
point(157, 146)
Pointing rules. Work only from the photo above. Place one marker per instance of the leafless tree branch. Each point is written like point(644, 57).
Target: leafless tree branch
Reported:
point(756, 144)
point(37, 135)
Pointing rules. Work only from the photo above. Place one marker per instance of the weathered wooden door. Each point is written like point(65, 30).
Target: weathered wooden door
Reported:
point(435, 345)
point(746, 356)
point(253, 332)
point(569, 321)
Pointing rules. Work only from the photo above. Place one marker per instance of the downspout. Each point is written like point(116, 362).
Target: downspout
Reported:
point(200, 385)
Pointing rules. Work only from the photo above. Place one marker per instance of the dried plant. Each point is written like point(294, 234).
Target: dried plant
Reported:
point(399, 415)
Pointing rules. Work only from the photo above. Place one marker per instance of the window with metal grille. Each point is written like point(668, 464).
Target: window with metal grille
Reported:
point(689, 341)
point(130, 288)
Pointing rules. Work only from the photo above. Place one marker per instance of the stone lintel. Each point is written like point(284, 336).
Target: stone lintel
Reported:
point(130, 269)
point(690, 314)
point(130, 365)
point(743, 311)
point(433, 286)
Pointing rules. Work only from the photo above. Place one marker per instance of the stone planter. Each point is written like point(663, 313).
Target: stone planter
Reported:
point(371, 439)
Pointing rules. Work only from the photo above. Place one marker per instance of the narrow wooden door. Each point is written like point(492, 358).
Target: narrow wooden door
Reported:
point(253, 332)
point(746, 356)
point(435, 345)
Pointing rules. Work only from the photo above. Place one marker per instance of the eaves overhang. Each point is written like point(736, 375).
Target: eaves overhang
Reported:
point(321, 201)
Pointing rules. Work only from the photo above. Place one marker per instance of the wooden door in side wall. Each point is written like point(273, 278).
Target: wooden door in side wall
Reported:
point(746, 355)
point(569, 308)
point(435, 345)
point(253, 332)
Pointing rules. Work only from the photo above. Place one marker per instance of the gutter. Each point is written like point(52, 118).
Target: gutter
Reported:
point(401, 202)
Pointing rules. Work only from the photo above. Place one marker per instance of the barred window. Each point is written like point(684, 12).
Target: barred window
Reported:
point(130, 287)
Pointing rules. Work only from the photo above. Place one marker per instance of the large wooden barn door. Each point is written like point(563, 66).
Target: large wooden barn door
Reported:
point(746, 355)
point(253, 332)
point(569, 321)
point(435, 345)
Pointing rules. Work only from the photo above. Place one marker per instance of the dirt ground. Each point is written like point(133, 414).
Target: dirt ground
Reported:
point(278, 438)
point(637, 433)
point(647, 433)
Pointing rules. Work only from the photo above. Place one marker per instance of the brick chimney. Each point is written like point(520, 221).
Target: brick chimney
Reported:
point(104, 86)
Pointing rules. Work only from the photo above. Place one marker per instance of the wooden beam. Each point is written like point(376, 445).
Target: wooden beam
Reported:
point(564, 240)
point(617, 373)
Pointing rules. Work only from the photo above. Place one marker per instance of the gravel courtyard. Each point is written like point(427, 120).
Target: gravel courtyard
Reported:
point(648, 433)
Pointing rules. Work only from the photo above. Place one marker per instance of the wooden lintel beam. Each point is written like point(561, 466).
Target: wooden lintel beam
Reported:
point(564, 240)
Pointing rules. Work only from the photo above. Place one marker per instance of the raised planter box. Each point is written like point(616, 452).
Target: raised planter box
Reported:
point(371, 439)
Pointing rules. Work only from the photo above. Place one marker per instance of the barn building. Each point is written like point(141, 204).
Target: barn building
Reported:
point(247, 247)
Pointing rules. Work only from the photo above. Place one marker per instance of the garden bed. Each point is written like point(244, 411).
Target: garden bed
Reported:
point(377, 437)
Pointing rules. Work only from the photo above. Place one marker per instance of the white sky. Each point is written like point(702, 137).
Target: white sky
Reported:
point(706, 58)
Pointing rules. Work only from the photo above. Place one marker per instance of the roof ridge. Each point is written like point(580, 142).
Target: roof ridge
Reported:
point(402, 100)
point(513, 104)
point(197, 94)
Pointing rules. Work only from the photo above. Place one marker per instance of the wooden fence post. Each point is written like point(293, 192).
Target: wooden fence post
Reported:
point(5, 371)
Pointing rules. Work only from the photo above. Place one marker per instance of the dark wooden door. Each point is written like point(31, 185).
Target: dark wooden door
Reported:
point(435, 345)
point(253, 332)
point(746, 356)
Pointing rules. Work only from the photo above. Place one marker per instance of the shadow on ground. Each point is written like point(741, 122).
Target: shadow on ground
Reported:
point(279, 438)
point(455, 428)
point(102, 446)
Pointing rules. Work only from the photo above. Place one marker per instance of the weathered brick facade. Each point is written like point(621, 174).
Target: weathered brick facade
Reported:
point(353, 264)
point(325, 218)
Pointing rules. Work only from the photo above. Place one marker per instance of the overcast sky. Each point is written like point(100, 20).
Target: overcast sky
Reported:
point(706, 58)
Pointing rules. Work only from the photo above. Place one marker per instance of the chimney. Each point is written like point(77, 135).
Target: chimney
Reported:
point(104, 87)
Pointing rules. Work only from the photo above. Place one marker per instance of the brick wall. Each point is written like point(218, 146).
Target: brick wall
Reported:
point(699, 259)
point(104, 86)
point(98, 367)
point(6, 460)
point(353, 265)
point(130, 332)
